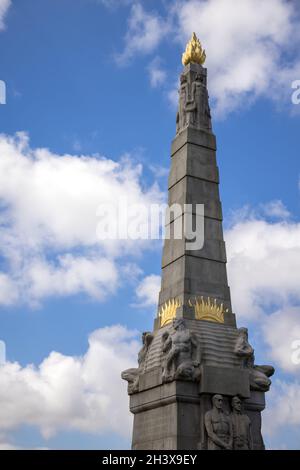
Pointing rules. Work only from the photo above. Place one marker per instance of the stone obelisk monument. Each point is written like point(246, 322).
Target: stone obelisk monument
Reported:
point(196, 385)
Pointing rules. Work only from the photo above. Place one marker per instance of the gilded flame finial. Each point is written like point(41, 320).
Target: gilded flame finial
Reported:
point(194, 52)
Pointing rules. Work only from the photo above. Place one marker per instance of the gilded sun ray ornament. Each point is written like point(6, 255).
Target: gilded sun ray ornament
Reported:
point(194, 53)
point(208, 309)
point(168, 311)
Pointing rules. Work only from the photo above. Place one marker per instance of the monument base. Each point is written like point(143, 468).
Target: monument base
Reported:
point(166, 417)
point(171, 417)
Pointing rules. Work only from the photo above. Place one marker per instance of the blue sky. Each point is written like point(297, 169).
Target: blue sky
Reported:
point(91, 87)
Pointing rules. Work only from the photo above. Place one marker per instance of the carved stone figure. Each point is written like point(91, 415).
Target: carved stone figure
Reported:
point(197, 108)
point(132, 375)
point(193, 105)
point(241, 427)
point(218, 426)
point(242, 346)
point(183, 96)
point(182, 354)
point(259, 375)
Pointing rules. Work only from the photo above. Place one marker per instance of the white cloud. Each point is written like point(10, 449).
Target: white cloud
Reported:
point(72, 275)
point(280, 331)
point(83, 393)
point(246, 44)
point(252, 46)
point(48, 222)
point(7, 291)
point(157, 74)
point(147, 291)
point(144, 33)
point(263, 265)
point(173, 95)
point(271, 211)
point(276, 209)
point(283, 407)
point(8, 446)
point(4, 6)
point(263, 272)
point(159, 171)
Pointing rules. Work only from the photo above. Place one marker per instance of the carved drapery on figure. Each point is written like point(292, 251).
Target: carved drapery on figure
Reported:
point(259, 375)
point(193, 109)
point(132, 375)
point(181, 353)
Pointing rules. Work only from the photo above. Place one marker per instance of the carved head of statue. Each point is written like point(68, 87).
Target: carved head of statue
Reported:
point(217, 401)
point(236, 404)
point(244, 332)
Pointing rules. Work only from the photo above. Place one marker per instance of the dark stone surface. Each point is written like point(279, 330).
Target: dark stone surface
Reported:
point(194, 179)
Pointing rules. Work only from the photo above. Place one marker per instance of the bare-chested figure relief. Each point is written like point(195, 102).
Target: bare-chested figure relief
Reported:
point(181, 353)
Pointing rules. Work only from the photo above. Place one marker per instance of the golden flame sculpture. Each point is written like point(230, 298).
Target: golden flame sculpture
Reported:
point(168, 311)
point(208, 309)
point(194, 52)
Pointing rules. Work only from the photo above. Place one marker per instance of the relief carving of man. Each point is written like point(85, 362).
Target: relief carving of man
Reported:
point(218, 426)
point(182, 355)
point(241, 426)
point(197, 108)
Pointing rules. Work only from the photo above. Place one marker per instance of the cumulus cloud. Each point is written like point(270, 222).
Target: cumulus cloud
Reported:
point(263, 271)
point(281, 332)
point(245, 50)
point(263, 266)
point(276, 209)
point(145, 32)
point(283, 407)
point(249, 54)
point(147, 291)
point(4, 6)
point(49, 243)
point(263, 262)
point(8, 294)
point(72, 275)
point(83, 393)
